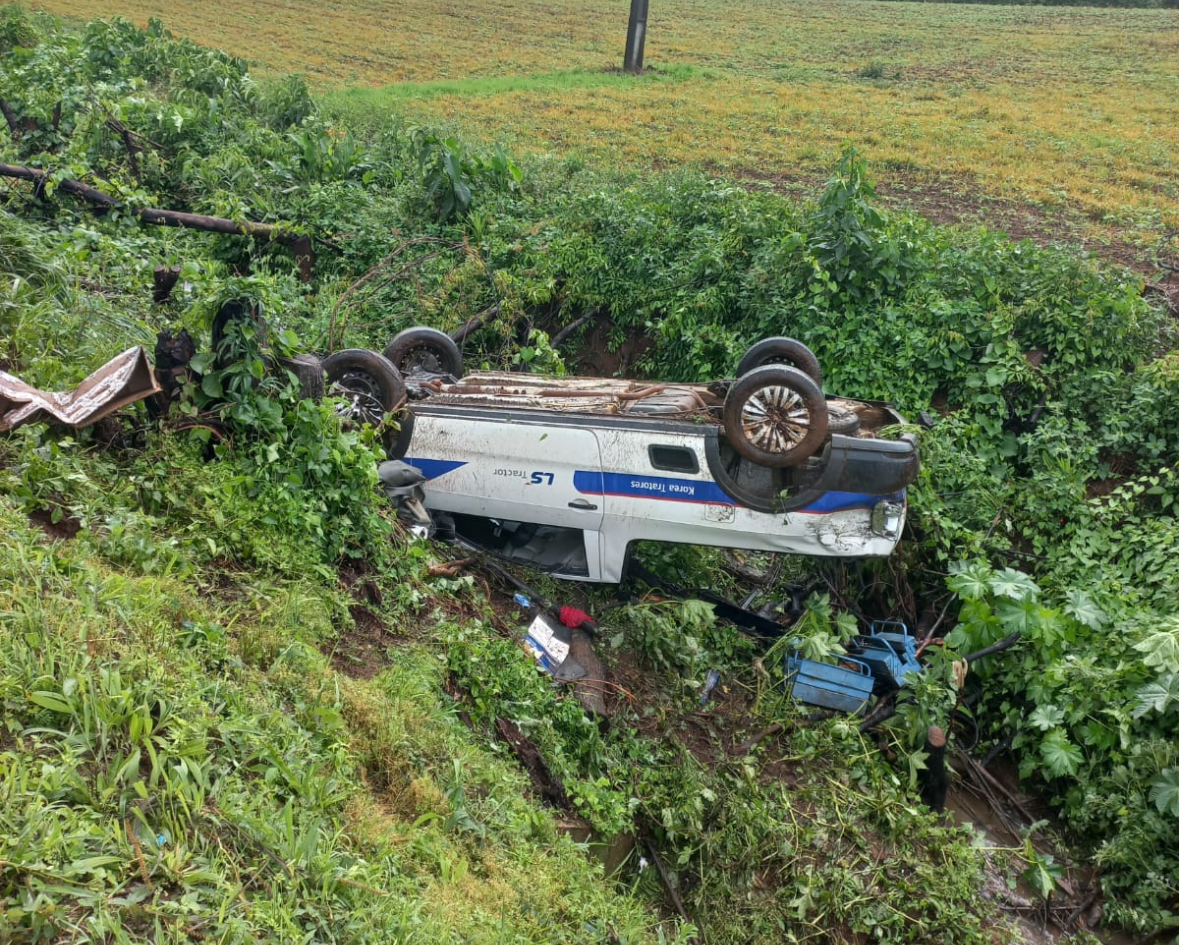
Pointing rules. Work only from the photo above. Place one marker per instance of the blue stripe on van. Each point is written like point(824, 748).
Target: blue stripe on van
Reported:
point(842, 501)
point(433, 468)
point(650, 487)
point(707, 493)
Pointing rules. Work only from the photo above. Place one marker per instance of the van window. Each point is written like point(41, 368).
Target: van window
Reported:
point(550, 548)
point(674, 458)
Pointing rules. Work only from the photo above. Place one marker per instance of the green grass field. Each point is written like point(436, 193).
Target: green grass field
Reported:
point(1054, 122)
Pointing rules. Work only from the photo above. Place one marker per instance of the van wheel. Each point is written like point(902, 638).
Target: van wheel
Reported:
point(366, 382)
point(775, 416)
point(782, 351)
point(425, 349)
point(842, 420)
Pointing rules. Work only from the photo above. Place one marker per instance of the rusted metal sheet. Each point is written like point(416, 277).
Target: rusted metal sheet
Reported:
point(594, 395)
point(121, 381)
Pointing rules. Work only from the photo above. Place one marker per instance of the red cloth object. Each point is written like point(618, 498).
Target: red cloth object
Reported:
point(574, 618)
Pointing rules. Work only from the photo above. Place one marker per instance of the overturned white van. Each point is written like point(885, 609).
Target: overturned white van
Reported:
point(566, 473)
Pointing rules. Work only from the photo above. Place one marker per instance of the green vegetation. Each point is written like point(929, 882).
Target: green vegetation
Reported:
point(179, 755)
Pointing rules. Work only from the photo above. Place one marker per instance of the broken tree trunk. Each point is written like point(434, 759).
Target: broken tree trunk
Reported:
point(10, 117)
point(77, 188)
point(164, 279)
point(194, 221)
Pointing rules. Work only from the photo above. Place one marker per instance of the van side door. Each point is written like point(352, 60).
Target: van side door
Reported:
point(500, 467)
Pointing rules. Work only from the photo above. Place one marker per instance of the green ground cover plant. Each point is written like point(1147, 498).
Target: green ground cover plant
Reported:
point(163, 670)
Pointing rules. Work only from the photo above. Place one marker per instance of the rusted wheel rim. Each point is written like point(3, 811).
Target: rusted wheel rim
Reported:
point(775, 419)
point(361, 396)
point(422, 358)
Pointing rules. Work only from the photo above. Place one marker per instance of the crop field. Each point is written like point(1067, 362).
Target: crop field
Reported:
point(1053, 122)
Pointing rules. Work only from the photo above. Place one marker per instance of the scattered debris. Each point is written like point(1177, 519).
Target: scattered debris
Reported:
point(710, 682)
point(933, 779)
point(120, 382)
point(890, 655)
point(549, 646)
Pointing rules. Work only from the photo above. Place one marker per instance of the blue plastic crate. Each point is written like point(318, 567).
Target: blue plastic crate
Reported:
point(891, 655)
point(846, 687)
point(881, 658)
point(903, 643)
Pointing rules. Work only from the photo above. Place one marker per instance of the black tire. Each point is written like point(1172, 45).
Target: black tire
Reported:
point(308, 371)
point(396, 442)
point(775, 416)
point(425, 349)
point(368, 384)
point(842, 420)
point(782, 351)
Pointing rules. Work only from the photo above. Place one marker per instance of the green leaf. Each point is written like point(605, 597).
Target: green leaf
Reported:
point(1014, 584)
point(1018, 615)
point(51, 701)
point(1062, 757)
point(1161, 648)
point(1046, 717)
point(972, 580)
point(1164, 792)
point(1157, 696)
point(91, 864)
point(1043, 873)
point(1082, 608)
point(211, 385)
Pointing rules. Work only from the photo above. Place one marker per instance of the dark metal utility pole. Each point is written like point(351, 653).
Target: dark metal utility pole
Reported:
point(636, 35)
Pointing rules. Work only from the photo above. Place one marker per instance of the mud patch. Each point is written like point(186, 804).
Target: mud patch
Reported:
point(354, 576)
point(65, 528)
point(991, 801)
point(596, 357)
point(712, 734)
point(546, 785)
point(363, 653)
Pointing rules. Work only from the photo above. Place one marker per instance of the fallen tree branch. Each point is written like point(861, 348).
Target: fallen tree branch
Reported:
point(381, 269)
point(668, 885)
point(1005, 644)
point(564, 334)
point(191, 221)
point(77, 188)
point(475, 324)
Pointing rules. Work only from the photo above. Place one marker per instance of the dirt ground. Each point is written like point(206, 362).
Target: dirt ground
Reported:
point(952, 200)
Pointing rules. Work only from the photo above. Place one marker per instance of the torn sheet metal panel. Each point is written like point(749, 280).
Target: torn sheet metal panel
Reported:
point(123, 380)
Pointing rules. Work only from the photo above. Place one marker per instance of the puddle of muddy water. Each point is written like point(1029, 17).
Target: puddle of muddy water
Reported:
point(1003, 883)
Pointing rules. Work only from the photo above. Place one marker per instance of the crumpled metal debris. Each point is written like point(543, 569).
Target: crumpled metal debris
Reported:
point(123, 380)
